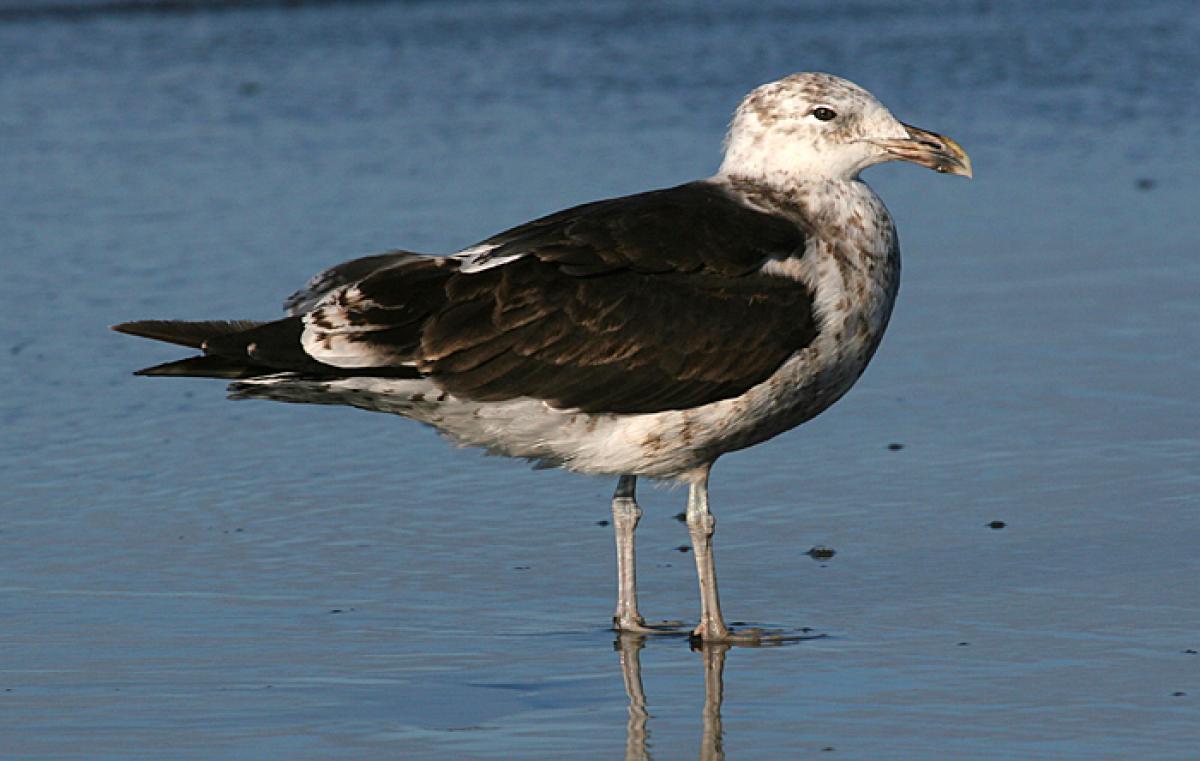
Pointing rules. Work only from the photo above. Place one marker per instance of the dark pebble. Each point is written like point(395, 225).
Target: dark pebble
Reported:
point(683, 548)
point(737, 623)
point(1145, 183)
point(681, 517)
point(1178, 694)
point(821, 552)
point(336, 610)
point(520, 568)
point(997, 524)
point(1190, 651)
point(601, 523)
point(895, 446)
point(827, 749)
point(963, 644)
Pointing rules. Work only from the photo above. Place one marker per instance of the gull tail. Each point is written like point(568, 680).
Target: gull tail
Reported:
point(206, 367)
point(238, 349)
point(197, 335)
point(182, 332)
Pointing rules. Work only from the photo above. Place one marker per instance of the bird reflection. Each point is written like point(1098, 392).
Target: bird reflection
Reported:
point(629, 646)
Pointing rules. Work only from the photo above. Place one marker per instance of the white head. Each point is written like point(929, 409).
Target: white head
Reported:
point(817, 126)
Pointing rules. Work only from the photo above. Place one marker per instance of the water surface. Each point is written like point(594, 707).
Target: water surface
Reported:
point(184, 577)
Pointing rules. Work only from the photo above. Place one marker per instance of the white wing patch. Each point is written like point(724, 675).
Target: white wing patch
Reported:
point(336, 333)
point(478, 258)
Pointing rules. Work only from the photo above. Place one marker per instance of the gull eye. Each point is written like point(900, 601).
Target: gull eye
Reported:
point(824, 113)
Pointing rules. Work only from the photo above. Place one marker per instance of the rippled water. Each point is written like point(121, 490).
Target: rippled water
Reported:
point(184, 577)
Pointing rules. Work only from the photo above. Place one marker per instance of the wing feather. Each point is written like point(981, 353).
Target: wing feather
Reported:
point(636, 304)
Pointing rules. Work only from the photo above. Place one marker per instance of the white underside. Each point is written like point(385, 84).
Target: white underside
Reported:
point(671, 444)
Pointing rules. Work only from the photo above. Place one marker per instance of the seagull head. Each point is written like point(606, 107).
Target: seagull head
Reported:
point(817, 126)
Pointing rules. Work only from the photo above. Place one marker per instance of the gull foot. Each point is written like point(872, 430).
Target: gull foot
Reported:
point(750, 636)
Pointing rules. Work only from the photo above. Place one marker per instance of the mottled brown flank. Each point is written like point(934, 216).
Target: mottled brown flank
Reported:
point(856, 219)
point(845, 268)
point(653, 444)
point(686, 432)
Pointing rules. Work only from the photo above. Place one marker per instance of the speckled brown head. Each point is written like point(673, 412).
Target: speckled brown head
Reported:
point(814, 125)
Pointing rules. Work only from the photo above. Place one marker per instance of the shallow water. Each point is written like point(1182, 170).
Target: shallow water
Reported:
point(184, 577)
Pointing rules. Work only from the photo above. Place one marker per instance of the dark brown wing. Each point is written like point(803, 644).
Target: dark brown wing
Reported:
point(690, 228)
point(638, 304)
point(620, 342)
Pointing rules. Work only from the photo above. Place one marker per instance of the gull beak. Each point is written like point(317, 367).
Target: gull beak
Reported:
point(929, 149)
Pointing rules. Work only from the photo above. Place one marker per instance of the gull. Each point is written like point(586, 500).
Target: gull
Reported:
point(639, 336)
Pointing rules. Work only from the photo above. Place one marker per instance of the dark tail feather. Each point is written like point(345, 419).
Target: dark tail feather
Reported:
point(242, 349)
point(206, 367)
point(196, 335)
point(184, 333)
point(232, 348)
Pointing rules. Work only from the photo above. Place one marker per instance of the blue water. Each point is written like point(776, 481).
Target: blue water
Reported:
point(184, 577)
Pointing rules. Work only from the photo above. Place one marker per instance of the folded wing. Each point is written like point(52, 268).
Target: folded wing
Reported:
point(636, 304)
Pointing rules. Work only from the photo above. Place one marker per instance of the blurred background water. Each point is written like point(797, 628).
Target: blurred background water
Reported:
point(183, 577)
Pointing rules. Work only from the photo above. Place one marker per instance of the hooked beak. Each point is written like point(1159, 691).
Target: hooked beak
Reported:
point(929, 149)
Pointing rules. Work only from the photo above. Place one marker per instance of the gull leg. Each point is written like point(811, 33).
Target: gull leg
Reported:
point(712, 628)
point(626, 515)
point(702, 525)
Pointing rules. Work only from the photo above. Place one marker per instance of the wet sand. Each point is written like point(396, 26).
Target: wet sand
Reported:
point(185, 577)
